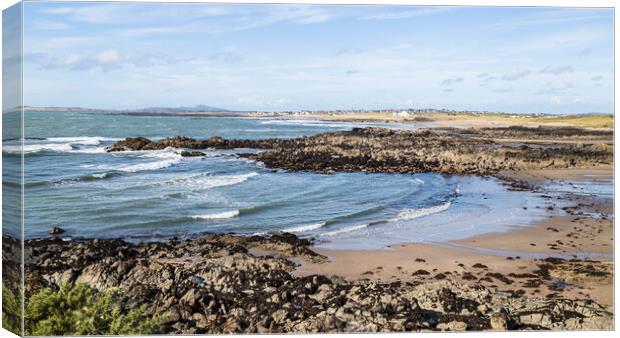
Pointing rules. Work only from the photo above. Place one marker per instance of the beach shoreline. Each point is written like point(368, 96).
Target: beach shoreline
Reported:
point(561, 236)
point(554, 274)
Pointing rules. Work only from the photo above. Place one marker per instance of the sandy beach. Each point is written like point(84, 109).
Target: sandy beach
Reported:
point(460, 120)
point(508, 261)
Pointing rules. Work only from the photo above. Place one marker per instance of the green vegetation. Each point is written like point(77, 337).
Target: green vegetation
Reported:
point(575, 120)
point(11, 310)
point(584, 121)
point(590, 121)
point(81, 310)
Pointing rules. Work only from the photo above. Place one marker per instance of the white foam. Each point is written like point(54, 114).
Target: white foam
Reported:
point(91, 150)
point(155, 165)
point(408, 214)
point(168, 152)
point(85, 140)
point(345, 230)
point(34, 148)
point(166, 157)
point(305, 228)
point(221, 215)
point(202, 182)
point(61, 144)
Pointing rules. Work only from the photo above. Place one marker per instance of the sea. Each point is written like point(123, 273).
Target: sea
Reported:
point(70, 181)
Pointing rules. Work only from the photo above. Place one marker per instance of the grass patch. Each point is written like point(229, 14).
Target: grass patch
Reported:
point(77, 309)
point(591, 121)
point(584, 121)
point(11, 311)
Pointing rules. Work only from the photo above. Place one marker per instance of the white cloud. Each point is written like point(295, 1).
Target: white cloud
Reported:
point(554, 89)
point(555, 99)
point(556, 70)
point(261, 100)
point(557, 40)
point(516, 75)
point(49, 25)
point(552, 17)
point(87, 13)
point(106, 60)
point(144, 31)
point(393, 15)
point(237, 21)
point(450, 81)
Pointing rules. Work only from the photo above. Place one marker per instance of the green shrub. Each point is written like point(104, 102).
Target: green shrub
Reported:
point(81, 310)
point(11, 311)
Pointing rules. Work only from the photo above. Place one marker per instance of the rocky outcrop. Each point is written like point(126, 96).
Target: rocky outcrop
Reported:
point(451, 151)
point(214, 284)
point(141, 143)
point(540, 133)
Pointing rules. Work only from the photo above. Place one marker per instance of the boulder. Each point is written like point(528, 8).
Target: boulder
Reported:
point(194, 153)
point(56, 230)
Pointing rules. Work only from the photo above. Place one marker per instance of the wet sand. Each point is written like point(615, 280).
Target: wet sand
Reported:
point(508, 261)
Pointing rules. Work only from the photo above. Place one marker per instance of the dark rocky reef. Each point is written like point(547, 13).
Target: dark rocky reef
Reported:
point(141, 143)
point(541, 133)
point(451, 151)
point(215, 284)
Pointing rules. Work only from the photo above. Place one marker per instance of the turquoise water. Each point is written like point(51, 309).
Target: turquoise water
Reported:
point(70, 181)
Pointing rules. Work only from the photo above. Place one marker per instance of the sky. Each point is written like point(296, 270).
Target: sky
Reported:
point(293, 57)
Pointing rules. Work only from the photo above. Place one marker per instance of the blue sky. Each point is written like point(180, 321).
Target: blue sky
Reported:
point(281, 57)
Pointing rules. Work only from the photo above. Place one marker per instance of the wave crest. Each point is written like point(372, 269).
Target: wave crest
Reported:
point(78, 144)
point(221, 215)
point(345, 230)
point(408, 214)
point(305, 228)
point(155, 165)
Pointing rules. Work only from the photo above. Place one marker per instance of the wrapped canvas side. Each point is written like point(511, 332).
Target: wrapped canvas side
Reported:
point(12, 171)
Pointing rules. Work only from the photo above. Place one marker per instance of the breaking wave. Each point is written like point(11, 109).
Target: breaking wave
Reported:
point(132, 168)
point(79, 144)
point(408, 214)
point(204, 182)
point(346, 229)
point(221, 215)
point(305, 228)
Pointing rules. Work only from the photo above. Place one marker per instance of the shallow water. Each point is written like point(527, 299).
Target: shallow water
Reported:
point(72, 182)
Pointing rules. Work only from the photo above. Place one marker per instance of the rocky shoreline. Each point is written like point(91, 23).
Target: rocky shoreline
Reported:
point(481, 151)
point(215, 284)
point(246, 284)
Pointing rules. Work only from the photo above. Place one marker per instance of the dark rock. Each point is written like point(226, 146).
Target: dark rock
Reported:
point(195, 153)
point(57, 230)
point(420, 273)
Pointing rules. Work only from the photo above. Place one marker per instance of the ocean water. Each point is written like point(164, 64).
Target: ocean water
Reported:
point(70, 181)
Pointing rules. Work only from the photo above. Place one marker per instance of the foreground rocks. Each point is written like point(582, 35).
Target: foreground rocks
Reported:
point(452, 151)
point(220, 284)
